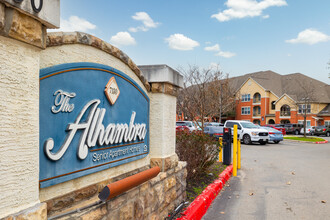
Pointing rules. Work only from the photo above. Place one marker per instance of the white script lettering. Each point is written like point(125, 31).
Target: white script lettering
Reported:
point(93, 131)
point(61, 102)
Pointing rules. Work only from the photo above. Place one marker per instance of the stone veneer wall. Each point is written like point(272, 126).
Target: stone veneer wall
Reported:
point(152, 200)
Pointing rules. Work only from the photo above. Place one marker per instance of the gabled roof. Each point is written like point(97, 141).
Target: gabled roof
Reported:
point(293, 85)
point(325, 111)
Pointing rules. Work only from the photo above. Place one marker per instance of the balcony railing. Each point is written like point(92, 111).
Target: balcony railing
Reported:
point(257, 100)
point(285, 114)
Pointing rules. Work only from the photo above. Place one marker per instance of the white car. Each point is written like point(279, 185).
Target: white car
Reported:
point(309, 130)
point(248, 132)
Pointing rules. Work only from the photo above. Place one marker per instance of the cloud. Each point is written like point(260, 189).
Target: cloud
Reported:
point(238, 9)
point(181, 42)
point(122, 39)
point(74, 23)
point(146, 20)
point(309, 36)
point(216, 48)
point(225, 54)
point(213, 48)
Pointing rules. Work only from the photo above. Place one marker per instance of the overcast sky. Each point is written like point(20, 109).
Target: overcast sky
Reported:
point(242, 36)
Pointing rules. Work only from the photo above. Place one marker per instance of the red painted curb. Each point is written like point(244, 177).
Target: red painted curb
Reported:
point(322, 142)
point(199, 206)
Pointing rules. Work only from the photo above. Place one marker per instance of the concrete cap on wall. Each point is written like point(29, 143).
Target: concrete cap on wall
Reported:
point(162, 73)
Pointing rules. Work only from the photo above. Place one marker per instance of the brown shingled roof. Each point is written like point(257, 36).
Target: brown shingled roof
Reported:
point(291, 84)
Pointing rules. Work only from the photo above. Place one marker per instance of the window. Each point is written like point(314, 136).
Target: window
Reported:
point(273, 105)
point(285, 110)
point(302, 109)
point(256, 111)
point(245, 110)
point(326, 123)
point(308, 123)
point(246, 98)
point(257, 98)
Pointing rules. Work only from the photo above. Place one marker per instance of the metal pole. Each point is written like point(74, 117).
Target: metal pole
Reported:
point(235, 151)
point(239, 154)
point(220, 149)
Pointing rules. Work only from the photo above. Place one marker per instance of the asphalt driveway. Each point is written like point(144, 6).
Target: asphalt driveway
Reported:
point(289, 180)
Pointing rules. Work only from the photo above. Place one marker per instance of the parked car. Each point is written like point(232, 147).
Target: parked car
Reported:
point(309, 130)
point(248, 132)
point(213, 124)
point(182, 128)
point(214, 131)
point(293, 128)
point(322, 130)
point(191, 126)
point(274, 135)
point(277, 127)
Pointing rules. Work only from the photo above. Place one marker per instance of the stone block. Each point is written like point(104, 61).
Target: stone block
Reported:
point(133, 193)
point(27, 29)
point(144, 188)
point(126, 212)
point(170, 172)
point(168, 163)
point(138, 209)
point(55, 39)
point(156, 162)
point(162, 175)
point(117, 202)
point(155, 180)
point(63, 202)
point(169, 183)
point(159, 193)
point(95, 214)
point(69, 38)
point(2, 16)
point(157, 87)
point(38, 212)
point(85, 193)
point(112, 215)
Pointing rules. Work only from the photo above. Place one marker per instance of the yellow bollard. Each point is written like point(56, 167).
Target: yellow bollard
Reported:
point(220, 148)
point(235, 151)
point(239, 154)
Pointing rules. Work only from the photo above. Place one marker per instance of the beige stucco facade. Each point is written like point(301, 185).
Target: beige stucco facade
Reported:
point(19, 133)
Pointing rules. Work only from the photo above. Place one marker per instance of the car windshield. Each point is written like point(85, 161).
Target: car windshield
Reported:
point(182, 123)
point(248, 125)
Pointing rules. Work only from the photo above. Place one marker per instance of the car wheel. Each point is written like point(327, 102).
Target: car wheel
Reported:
point(276, 142)
point(246, 139)
point(296, 132)
point(328, 134)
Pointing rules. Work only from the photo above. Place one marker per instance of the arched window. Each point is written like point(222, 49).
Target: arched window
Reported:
point(285, 110)
point(256, 111)
point(257, 98)
point(271, 122)
point(273, 105)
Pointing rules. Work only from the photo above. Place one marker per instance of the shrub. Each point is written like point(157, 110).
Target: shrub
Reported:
point(198, 149)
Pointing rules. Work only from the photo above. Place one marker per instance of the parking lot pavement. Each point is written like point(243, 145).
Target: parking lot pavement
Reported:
point(289, 180)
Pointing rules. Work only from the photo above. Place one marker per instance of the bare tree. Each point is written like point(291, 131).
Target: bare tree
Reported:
point(304, 99)
point(205, 94)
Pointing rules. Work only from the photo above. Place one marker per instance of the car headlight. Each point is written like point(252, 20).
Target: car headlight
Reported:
point(254, 133)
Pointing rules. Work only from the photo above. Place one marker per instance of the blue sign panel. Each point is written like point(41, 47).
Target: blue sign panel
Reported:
point(92, 117)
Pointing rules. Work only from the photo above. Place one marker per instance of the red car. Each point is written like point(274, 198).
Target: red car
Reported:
point(277, 127)
point(182, 128)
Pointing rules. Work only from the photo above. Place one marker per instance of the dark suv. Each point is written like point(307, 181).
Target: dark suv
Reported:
point(293, 128)
point(322, 130)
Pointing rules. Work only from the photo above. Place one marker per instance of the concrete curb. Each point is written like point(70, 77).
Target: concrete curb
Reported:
point(199, 206)
point(319, 142)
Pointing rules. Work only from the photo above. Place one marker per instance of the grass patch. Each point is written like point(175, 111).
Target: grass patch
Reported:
point(307, 139)
point(196, 187)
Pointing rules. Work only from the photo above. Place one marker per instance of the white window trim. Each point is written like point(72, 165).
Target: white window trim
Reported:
point(246, 107)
